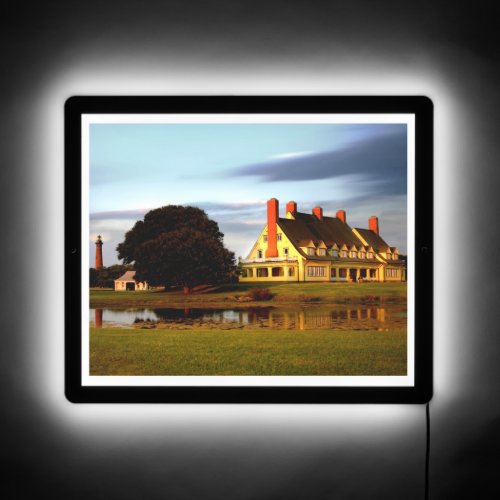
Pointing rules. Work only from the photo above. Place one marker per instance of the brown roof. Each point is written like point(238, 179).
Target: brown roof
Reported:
point(373, 240)
point(128, 276)
point(303, 243)
point(307, 227)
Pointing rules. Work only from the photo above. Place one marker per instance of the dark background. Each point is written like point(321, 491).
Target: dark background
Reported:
point(51, 50)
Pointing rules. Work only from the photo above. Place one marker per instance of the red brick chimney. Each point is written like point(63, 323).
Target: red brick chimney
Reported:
point(318, 212)
point(291, 206)
point(341, 215)
point(373, 224)
point(98, 253)
point(272, 219)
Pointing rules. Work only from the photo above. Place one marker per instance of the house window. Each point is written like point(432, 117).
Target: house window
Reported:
point(391, 273)
point(259, 254)
point(395, 256)
point(279, 236)
point(369, 255)
point(321, 251)
point(277, 271)
point(316, 271)
point(247, 273)
point(389, 256)
point(352, 254)
point(291, 271)
point(342, 273)
point(335, 253)
point(362, 255)
point(285, 252)
point(343, 253)
point(264, 238)
point(310, 251)
point(262, 272)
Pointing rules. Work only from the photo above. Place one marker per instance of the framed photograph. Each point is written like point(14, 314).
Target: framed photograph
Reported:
point(245, 249)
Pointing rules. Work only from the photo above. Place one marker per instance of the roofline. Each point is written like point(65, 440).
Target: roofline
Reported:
point(291, 239)
point(335, 259)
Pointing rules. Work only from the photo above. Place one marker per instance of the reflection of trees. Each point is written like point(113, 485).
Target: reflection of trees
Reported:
point(172, 313)
point(306, 318)
point(256, 314)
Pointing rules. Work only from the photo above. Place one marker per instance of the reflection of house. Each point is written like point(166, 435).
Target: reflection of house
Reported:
point(313, 247)
point(128, 283)
point(361, 318)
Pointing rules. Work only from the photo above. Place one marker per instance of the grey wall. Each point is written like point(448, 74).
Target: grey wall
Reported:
point(52, 50)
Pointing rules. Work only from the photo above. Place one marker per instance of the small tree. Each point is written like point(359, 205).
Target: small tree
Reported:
point(178, 246)
point(93, 277)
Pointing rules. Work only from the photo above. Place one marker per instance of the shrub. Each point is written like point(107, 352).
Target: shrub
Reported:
point(260, 294)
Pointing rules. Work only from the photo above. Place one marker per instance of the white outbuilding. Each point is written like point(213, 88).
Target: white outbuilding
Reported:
point(127, 283)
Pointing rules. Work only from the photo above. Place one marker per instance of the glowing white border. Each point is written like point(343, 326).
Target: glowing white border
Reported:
point(263, 381)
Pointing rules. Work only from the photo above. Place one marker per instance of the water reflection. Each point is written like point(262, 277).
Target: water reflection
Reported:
point(298, 318)
point(98, 318)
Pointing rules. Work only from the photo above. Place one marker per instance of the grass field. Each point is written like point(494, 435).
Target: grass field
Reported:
point(115, 351)
point(286, 293)
point(269, 351)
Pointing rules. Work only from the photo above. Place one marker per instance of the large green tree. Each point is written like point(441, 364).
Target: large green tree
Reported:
point(177, 246)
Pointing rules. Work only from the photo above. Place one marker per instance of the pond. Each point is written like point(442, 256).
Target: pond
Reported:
point(337, 317)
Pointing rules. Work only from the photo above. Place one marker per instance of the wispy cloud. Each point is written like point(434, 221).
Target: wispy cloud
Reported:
point(287, 156)
point(214, 206)
point(380, 160)
point(134, 214)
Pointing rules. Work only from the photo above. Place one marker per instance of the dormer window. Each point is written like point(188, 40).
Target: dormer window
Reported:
point(362, 255)
point(369, 255)
point(343, 253)
point(322, 251)
point(352, 254)
point(310, 251)
point(335, 253)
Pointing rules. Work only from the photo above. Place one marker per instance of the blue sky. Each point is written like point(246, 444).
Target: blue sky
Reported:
point(231, 170)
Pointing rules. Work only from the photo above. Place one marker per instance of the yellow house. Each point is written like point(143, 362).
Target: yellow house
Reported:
point(313, 247)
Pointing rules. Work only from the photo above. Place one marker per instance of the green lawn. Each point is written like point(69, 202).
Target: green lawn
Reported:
point(115, 351)
point(229, 294)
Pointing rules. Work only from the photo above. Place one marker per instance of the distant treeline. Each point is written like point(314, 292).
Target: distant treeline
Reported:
point(106, 276)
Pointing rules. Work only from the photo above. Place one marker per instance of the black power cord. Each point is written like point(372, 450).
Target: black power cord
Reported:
point(427, 449)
